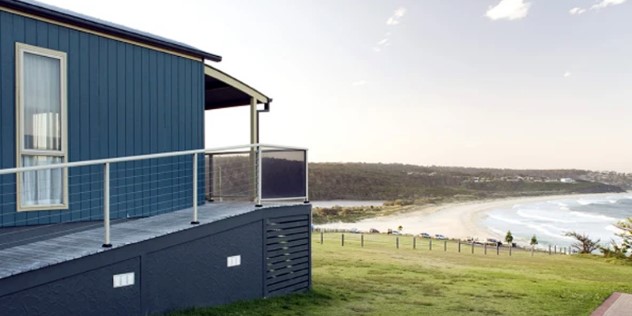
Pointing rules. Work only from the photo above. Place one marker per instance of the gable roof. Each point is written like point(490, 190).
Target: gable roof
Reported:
point(83, 21)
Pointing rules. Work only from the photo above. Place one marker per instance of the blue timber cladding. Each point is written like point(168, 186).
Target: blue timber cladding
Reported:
point(123, 100)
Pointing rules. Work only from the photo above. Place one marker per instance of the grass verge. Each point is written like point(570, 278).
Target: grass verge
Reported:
point(379, 279)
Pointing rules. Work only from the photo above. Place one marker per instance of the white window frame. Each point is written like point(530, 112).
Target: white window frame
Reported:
point(20, 50)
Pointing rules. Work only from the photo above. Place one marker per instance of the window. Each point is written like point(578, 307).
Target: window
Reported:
point(41, 127)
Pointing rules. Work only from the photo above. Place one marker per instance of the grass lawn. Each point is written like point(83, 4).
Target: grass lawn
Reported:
point(382, 280)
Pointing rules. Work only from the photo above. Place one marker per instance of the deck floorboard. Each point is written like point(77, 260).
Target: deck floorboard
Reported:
point(23, 249)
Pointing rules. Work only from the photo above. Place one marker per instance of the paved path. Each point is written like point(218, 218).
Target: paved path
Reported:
point(618, 304)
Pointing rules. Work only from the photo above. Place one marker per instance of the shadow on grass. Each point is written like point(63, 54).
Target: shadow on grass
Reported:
point(293, 304)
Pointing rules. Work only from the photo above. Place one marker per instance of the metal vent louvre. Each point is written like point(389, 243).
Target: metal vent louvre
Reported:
point(287, 255)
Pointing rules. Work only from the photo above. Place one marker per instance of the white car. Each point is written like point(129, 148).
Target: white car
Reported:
point(440, 237)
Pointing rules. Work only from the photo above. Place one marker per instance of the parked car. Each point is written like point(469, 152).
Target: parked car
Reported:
point(440, 237)
point(396, 232)
point(374, 231)
point(354, 231)
point(424, 235)
point(494, 242)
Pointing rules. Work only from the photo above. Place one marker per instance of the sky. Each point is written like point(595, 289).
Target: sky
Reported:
point(478, 83)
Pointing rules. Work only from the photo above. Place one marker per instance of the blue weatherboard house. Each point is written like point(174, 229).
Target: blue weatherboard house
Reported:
point(109, 202)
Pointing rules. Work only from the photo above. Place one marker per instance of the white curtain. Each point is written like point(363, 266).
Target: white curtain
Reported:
point(42, 187)
point(41, 126)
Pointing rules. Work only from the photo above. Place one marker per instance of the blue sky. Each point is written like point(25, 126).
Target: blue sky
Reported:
point(483, 83)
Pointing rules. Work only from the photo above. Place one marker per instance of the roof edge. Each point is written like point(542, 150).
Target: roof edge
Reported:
point(49, 12)
point(236, 83)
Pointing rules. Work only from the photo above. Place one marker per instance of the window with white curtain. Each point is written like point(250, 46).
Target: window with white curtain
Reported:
point(41, 127)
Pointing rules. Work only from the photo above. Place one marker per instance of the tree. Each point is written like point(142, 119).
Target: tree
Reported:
point(621, 251)
point(626, 235)
point(584, 244)
point(400, 228)
point(534, 241)
point(509, 238)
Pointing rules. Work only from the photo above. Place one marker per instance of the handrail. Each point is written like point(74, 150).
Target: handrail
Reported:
point(139, 157)
point(195, 152)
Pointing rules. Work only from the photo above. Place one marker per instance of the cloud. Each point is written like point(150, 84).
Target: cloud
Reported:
point(382, 43)
point(600, 5)
point(606, 3)
point(567, 74)
point(392, 20)
point(397, 15)
point(359, 83)
point(509, 10)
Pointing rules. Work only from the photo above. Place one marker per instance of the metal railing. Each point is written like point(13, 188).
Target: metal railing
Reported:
point(258, 162)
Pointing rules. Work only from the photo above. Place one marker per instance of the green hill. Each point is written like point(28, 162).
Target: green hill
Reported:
point(364, 181)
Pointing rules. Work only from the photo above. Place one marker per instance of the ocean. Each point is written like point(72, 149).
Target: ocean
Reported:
point(549, 220)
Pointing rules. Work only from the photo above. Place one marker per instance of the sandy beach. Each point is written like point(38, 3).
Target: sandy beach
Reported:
point(455, 220)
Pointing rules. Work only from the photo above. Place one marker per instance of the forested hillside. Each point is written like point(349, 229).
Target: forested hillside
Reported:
point(363, 181)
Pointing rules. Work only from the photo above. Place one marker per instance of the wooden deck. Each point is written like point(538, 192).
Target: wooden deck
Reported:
point(29, 248)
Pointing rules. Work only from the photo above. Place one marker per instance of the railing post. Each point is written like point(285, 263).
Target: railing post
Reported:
point(306, 179)
point(195, 189)
point(258, 159)
point(106, 205)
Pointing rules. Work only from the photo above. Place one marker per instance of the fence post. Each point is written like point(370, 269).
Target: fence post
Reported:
point(397, 242)
point(362, 240)
point(555, 249)
point(510, 246)
point(445, 245)
point(532, 249)
point(485, 247)
point(430, 244)
point(321, 237)
point(414, 242)
point(459, 246)
point(497, 249)
point(106, 205)
point(343, 239)
point(472, 246)
point(549, 250)
point(195, 189)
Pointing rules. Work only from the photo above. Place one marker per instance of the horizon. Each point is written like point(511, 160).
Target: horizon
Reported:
point(466, 167)
point(511, 84)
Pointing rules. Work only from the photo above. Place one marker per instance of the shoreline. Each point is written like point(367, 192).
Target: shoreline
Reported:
point(455, 220)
